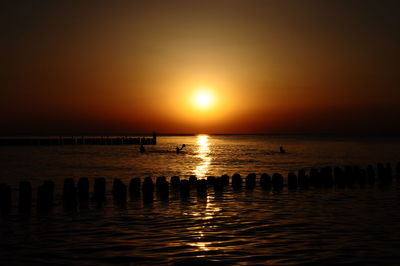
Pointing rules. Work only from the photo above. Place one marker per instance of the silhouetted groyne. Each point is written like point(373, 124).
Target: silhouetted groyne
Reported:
point(79, 195)
point(78, 141)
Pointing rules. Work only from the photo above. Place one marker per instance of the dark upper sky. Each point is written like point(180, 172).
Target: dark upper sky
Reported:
point(135, 66)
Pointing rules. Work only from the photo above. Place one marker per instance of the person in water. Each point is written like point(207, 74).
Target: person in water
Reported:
point(282, 150)
point(142, 149)
point(178, 150)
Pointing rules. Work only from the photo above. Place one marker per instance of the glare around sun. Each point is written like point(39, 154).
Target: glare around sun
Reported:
point(203, 99)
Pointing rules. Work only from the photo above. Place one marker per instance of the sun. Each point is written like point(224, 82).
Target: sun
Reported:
point(203, 99)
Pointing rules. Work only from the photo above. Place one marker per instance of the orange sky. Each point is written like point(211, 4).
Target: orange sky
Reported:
point(133, 66)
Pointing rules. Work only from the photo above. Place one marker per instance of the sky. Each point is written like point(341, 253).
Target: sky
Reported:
point(274, 67)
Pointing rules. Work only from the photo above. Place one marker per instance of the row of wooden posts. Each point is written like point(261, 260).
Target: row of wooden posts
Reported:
point(74, 195)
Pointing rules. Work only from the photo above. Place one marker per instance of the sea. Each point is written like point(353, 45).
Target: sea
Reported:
point(358, 225)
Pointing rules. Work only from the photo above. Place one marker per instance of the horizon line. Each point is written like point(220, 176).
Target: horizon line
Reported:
point(382, 134)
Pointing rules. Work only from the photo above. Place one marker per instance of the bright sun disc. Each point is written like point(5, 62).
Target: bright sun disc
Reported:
point(203, 99)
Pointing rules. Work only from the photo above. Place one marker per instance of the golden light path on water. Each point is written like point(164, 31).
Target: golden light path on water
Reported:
point(208, 213)
point(202, 233)
point(203, 152)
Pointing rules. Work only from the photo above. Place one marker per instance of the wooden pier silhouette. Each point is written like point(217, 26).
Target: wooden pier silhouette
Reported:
point(82, 140)
point(78, 194)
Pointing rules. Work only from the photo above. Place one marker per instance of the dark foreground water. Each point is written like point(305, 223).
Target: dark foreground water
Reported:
point(359, 225)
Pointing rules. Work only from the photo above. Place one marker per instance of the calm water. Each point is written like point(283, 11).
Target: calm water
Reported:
point(247, 227)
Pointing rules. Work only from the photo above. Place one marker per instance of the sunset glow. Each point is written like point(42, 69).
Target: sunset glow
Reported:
point(201, 67)
point(203, 99)
point(200, 132)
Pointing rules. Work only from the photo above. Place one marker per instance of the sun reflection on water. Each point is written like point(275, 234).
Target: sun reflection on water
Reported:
point(201, 234)
point(208, 211)
point(201, 246)
point(203, 152)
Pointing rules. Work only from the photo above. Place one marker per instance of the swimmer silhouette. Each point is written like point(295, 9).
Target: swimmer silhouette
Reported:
point(282, 150)
point(142, 149)
point(178, 150)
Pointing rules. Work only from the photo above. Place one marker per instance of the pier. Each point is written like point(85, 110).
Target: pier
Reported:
point(82, 140)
